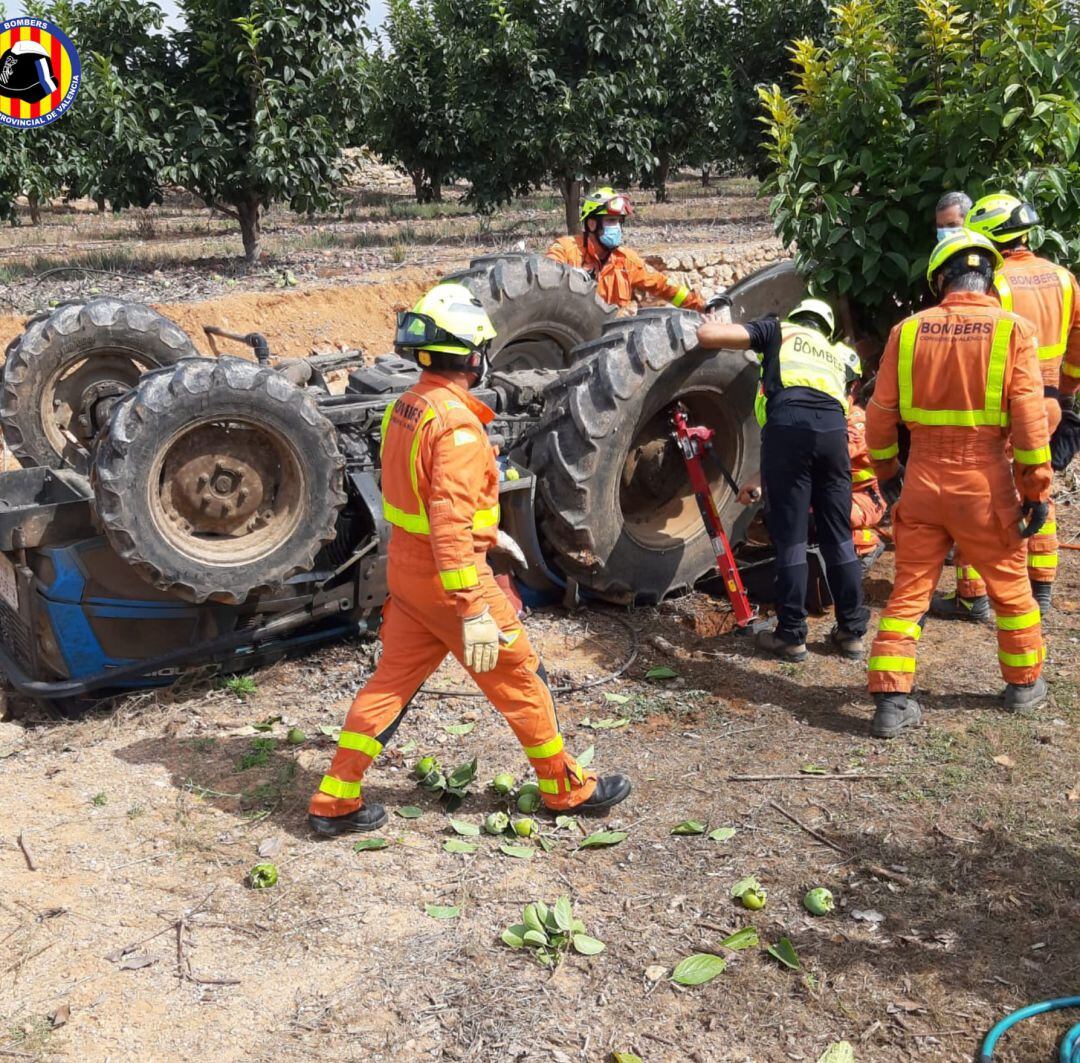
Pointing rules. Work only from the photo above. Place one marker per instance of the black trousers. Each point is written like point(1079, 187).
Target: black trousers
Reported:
point(804, 467)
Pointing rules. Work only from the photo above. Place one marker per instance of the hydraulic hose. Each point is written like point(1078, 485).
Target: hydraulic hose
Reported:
point(1070, 1046)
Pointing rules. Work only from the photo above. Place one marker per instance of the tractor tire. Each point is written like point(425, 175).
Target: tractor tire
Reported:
point(616, 508)
point(772, 290)
point(70, 366)
point(541, 309)
point(217, 479)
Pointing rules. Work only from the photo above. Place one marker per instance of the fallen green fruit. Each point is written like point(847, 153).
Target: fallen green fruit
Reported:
point(528, 800)
point(819, 901)
point(753, 899)
point(425, 766)
point(524, 827)
point(262, 876)
point(296, 736)
point(496, 823)
point(503, 783)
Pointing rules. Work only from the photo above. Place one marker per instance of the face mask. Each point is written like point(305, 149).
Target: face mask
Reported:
point(944, 234)
point(611, 235)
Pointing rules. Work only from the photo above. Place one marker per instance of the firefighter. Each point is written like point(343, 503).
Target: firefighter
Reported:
point(618, 271)
point(964, 377)
point(868, 507)
point(802, 402)
point(440, 495)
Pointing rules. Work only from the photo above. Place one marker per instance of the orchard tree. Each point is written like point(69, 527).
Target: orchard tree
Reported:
point(408, 116)
point(267, 98)
point(900, 108)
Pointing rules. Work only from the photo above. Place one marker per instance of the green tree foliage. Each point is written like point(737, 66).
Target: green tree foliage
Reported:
point(266, 100)
point(408, 116)
point(906, 103)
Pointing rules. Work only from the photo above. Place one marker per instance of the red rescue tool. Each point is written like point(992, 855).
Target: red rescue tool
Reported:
point(694, 442)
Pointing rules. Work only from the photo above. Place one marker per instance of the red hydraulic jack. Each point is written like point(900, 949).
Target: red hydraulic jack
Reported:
point(694, 442)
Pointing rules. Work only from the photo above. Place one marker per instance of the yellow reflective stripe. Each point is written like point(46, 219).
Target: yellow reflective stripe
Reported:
point(888, 452)
point(545, 749)
point(337, 788)
point(460, 579)
point(416, 523)
point(510, 637)
point(862, 475)
point(867, 535)
point(680, 296)
point(548, 786)
point(891, 664)
point(1070, 370)
point(905, 358)
point(1039, 456)
point(363, 743)
point(995, 373)
point(1042, 560)
point(968, 573)
point(486, 518)
point(1049, 528)
point(901, 627)
point(385, 422)
point(1056, 350)
point(1022, 660)
point(1018, 623)
point(1004, 290)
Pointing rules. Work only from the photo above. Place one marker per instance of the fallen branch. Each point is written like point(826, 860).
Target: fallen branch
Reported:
point(804, 777)
point(809, 830)
point(27, 853)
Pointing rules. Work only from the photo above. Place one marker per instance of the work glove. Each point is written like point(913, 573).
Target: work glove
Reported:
point(891, 488)
point(1034, 517)
point(481, 637)
point(1065, 442)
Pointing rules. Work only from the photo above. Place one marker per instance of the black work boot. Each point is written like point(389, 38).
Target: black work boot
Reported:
point(610, 790)
point(955, 607)
point(786, 651)
point(894, 713)
point(368, 816)
point(850, 646)
point(1043, 590)
point(1025, 697)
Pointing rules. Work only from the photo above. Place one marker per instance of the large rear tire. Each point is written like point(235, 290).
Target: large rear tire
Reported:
point(65, 372)
point(541, 309)
point(218, 479)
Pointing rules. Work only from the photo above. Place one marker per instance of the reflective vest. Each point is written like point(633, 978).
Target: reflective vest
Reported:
point(809, 360)
point(991, 412)
point(1049, 351)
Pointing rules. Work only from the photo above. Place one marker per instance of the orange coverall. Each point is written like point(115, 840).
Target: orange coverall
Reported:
point(623, 273)
point(867, 506)
point(1048, 296)
point(439, 478)
point(969, 384)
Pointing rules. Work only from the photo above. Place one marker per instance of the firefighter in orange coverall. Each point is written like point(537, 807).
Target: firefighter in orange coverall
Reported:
point(1048, 296)
point(440, 487)
point(964, 377)
point(618, 271)
point(868, 508)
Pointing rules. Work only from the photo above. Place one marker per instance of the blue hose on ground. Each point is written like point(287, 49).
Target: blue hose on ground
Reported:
point(1070, 1046)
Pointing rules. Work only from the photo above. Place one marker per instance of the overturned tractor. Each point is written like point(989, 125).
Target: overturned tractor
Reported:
point(178, 511)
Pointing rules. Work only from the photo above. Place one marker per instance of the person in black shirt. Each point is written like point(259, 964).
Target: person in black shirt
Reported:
point(802, 406)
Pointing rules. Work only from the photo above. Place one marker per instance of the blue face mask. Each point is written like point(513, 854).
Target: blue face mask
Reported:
point(611, 236)
point(944, 234)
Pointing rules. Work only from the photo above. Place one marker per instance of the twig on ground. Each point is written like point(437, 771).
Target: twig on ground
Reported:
point(27, 852)
point(805, 777)
point(809, 830)
point(893, 876)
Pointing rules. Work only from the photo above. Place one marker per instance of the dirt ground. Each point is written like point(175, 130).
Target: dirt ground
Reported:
point(952, 854)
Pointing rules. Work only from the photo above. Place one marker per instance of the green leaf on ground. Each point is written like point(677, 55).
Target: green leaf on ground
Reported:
point(587, 946)
point(586, 758)
point(606, 724)
point(456, 845)
point(566, 822)
point(443, 911)
point(410, 812)
point(747, 938)
point(697, 969)
point(602, 838)
point(408, 747)
point(663, 672)
point(459, 728)
point(564, 914)
point(330, 732)
point(785, 952)
point(545, 843)
point(514, 936)
point(689, 826)
point(460, 826)
point(367, 844)
point(745, 885)
point(838, 1052)
point(619, 699)
point(462, 775)
point(813, 769)
point(626, 1057)
point(722, 834)
point(519, 852)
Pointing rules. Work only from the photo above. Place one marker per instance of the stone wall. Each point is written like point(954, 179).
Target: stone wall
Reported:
point(715, 270)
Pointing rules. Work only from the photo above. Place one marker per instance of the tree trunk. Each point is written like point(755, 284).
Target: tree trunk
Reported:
point(662, 172)
point(35, 208)
point(421, 186)
point(100, 201)
point(706, 177)
point(250, 228)
point(436, 187)
point(570, 187)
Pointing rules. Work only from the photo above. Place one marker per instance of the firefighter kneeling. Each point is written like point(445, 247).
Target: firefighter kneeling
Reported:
point(964, 377)
point(440, 489)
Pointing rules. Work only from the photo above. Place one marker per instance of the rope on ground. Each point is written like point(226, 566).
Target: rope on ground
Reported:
point(573, 688)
